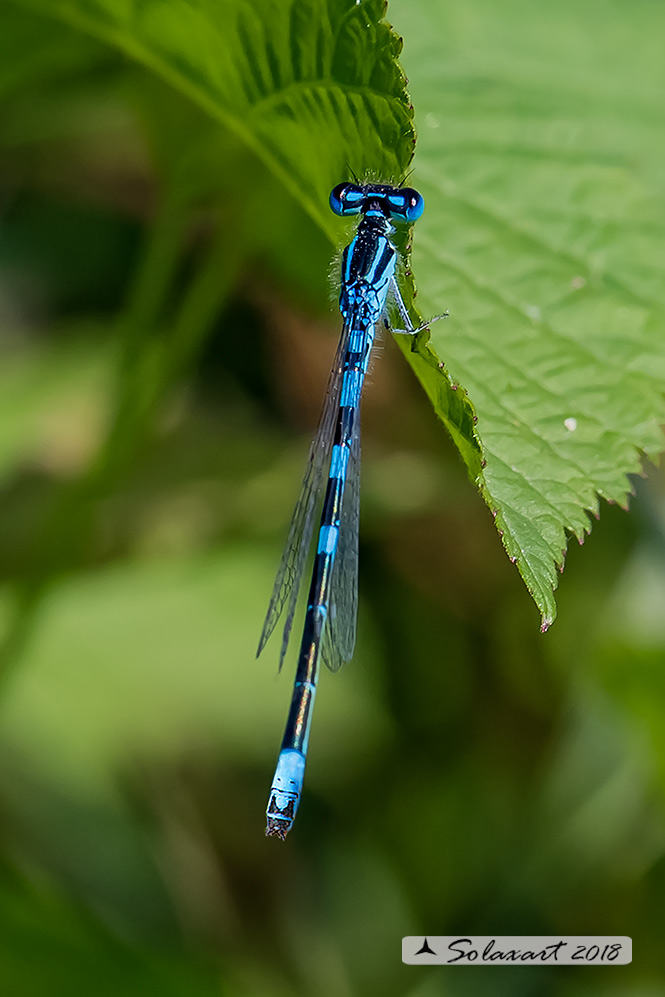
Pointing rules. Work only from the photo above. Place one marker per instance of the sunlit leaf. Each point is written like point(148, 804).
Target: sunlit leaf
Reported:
point(545, 237)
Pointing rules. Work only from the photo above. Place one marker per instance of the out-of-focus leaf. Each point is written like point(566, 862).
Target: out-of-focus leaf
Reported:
point(630, 653)
point(51, 405)
point(39, 929)
point(106, 678)
point(33, 49)
point(540, 148)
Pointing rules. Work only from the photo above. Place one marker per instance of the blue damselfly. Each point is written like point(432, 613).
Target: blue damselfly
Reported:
point(368, 276)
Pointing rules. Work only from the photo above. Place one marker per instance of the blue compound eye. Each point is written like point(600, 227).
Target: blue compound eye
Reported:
point(347, 199)
point(406, 204)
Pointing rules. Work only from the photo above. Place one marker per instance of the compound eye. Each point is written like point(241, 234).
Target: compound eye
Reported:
point(406, 204)
point(347, 199)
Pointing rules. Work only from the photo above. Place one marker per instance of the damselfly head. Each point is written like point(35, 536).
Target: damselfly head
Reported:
point(400, 204)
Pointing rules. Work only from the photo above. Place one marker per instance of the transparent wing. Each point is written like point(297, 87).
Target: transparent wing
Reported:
point(292, 566)
point(339, 636)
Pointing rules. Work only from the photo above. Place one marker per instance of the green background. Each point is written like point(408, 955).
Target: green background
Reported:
point(167, 323)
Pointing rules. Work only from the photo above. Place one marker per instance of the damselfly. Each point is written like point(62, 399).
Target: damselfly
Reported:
point(368, 276)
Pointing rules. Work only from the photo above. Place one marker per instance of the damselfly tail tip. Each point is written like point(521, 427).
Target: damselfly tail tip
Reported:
point(277, 828)
point(285, 793)
point(279, 821)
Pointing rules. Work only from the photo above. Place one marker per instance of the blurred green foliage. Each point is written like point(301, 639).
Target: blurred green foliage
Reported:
point(165, 337)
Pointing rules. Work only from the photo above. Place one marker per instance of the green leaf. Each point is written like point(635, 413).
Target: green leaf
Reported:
point(540, 145)
point(539, 154)
point(309, 88)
